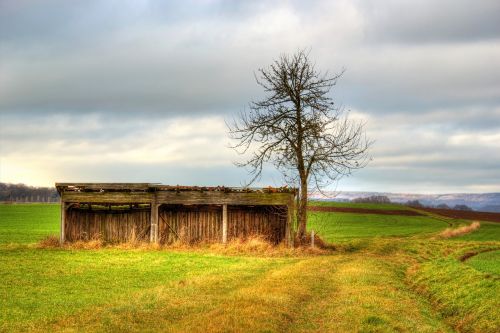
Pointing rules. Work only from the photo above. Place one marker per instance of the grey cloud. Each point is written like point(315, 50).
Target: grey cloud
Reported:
point(103, 74)
point(161, 58)
point(430, 21)
point(424, 180)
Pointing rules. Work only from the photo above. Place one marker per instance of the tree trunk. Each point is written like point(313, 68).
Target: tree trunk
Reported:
point(302, 210)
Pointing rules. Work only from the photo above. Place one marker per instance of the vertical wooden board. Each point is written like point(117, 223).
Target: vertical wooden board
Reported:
point(202, 222)
point(179, 227)
point(62, 231)
point(197, 225)
point(173, 223)
point(207, 225)
point(224, 224)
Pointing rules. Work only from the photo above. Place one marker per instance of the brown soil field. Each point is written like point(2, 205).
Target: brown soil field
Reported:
point(363, 210)
point(466, 215)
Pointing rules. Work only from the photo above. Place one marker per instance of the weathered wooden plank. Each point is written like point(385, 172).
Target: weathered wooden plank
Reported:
point(154, 222)
point(108, 226)
point(63, 222)
point(105, 186)
point(221, 198)
point(289, 232)
point(224, 224)
point(182, 197)
point(108, 197)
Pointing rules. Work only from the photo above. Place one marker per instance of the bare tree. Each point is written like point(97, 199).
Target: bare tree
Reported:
point(299, 130)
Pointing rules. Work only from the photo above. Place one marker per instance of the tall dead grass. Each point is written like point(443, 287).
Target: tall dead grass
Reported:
point(258, 246)
point(449, 233)
point(50, 241)
point(253, 246)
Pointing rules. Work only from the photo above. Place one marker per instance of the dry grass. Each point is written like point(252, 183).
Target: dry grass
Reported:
point(257, 246)
point(449, 233)
point(250, 246)
point(51, 241)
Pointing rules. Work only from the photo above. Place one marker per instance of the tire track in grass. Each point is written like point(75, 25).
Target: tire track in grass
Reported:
point(341, 293)
point(365, 294)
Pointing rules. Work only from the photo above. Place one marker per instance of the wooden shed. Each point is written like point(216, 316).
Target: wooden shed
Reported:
point(123, 212)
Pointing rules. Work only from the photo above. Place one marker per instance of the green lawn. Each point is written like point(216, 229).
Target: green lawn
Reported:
point(390, 206)
point(28, 223)
point(401, 271)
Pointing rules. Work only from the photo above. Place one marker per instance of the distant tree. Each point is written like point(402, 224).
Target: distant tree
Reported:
point(379, 199)
point(414, 203)
point(443, 206)
point(299, 130)
point(462, 207)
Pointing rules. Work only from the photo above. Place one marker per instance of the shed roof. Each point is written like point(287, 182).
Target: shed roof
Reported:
point(157, 187)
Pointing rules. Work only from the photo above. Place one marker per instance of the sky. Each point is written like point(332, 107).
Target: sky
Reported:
point(139, 91)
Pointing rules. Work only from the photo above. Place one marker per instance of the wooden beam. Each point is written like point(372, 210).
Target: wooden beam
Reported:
point(221, 198)
point(289, 236)
point(108, 197)
point(224, 224)
point(105, 186)
point(157, 213)
point(62, 237)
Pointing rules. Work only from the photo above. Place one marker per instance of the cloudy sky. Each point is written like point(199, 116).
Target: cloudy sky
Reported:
point(139, 90)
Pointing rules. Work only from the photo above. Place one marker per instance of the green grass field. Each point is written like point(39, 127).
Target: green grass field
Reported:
point(342, 227)
point(390, 206)
point(487, 262)
point(387, 274)
point(22, 224)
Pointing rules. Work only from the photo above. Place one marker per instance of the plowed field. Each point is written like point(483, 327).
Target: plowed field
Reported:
point(465, 215)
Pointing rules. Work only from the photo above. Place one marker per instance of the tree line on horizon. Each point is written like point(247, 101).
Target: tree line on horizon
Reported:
point(25, 193)
point(382, 199)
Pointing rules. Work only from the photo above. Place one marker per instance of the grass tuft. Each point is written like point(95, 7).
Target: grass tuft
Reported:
point(93, 244)
point(258, 246)
point(49, 242)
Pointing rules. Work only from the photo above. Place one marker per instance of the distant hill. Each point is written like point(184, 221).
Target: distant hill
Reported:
point(486, 202)
point(490, 208)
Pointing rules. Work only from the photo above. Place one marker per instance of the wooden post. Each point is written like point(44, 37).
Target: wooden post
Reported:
point(224, 224)
point(289, 222)
point(157, 210)
point(312, 238)
point(153, 238)
point(63, 221)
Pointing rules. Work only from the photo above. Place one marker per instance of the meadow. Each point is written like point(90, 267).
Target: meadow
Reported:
point(384, 273)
